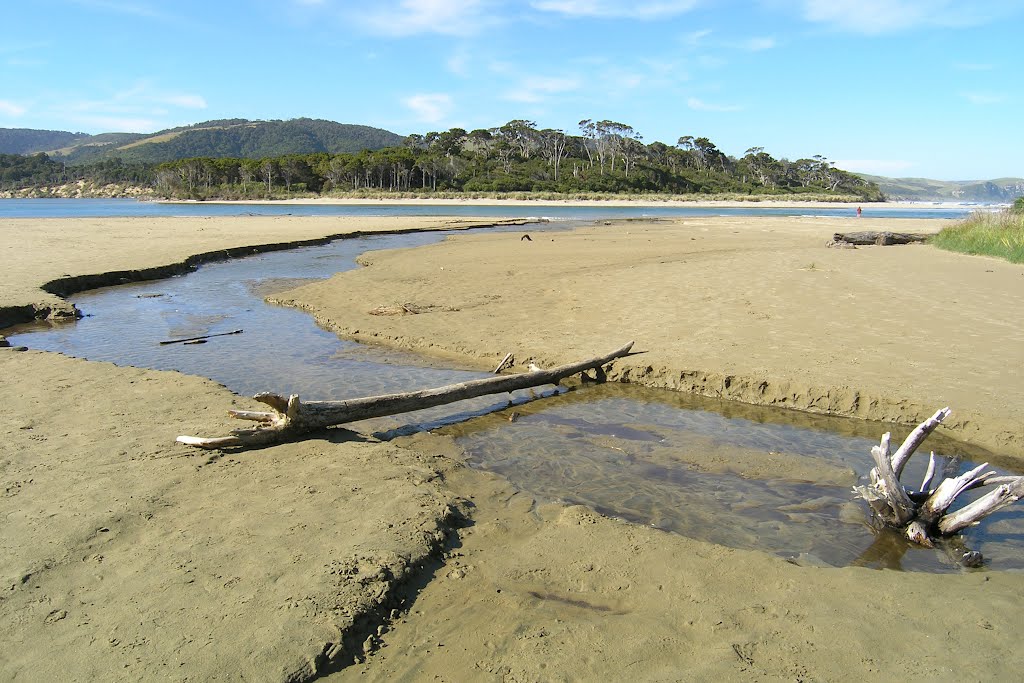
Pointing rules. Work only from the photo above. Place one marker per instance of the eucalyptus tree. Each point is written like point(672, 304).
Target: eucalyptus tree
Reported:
point(248, 169)
point(763, 166)
point(268, 171)
point(522, 135)
point(552, 146)
point(589, 130)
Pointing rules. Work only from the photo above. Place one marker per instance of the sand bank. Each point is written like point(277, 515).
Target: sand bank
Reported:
point(126, 555)
point(757, 310)
point(45, 259)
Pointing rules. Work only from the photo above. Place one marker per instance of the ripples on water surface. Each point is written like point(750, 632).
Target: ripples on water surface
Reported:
point(778, 481)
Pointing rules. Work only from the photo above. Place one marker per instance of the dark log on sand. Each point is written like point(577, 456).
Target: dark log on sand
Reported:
point(923, 514)
point(879, 238)
point(291, 418)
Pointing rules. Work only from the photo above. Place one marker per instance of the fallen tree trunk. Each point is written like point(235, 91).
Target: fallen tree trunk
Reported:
point(924, 515)
point(880, 238)
point(291, 417)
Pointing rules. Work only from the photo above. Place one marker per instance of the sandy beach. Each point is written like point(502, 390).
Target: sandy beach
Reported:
point(126, 555)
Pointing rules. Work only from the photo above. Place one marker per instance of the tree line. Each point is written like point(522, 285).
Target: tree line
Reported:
point(605, 156)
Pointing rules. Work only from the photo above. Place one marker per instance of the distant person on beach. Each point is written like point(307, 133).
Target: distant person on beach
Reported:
point(858, 212)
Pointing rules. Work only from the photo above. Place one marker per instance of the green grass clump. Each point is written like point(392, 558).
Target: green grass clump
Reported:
point(987, 234)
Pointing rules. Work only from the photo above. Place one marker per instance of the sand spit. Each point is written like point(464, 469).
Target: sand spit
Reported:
point(756, 310)
point(62, 257)
point(125, 555)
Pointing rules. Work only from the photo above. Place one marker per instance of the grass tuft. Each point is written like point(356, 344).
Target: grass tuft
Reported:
point(987, 234)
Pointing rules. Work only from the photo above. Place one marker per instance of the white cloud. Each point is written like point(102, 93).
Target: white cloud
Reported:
point(138, 108)
point(458, 64)
point(873, 17)
point(412, 17)
point(186, 101)
point(614, 9)
point(700, 105)
point(758, 44)
point(8, 108)
point(535, 89)
point(973, 67)
point(137, 9)
point(429, 108)
point(983, 98)
point(118, 124)
point(695, 38)
point(885, 167)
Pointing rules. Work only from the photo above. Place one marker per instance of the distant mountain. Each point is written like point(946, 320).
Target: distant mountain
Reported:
point(999, 190)
point(232, 138)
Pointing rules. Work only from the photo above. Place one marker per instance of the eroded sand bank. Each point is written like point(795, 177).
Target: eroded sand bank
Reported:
point(126, 555)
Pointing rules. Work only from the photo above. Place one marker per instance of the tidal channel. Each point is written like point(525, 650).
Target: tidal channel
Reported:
point(768, 479)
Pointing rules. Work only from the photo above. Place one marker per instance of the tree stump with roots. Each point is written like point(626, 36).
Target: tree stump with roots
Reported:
point(923, 514)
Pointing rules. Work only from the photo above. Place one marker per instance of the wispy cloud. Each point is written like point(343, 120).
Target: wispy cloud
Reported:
point(695, 38)
point(184, 101)
point(700, 105)
point(429, 108)
point(118, 124)
point(535, 89)
point(614, 9)
point(136, 9)
point(973, 67)
point(983, 98)
point(413, 17)
point(458, 64)
point(8, 108)
point(885, 167)
point(757, 44)
point(873, 17)
point(139, 108)
point(12, 47)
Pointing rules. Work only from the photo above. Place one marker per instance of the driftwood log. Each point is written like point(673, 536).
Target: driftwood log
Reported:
point(923, 514)
point(878, 238)
point(201, 338)
point(291, 417)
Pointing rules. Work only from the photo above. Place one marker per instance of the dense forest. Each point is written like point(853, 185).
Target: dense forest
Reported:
point(606, 157)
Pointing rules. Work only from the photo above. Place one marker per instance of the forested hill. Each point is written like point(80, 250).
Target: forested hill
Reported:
point(29, 141)
point(231, 138)
point(999, 190)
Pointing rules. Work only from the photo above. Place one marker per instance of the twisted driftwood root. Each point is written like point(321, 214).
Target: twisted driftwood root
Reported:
point(291, 418)
point(923, 514)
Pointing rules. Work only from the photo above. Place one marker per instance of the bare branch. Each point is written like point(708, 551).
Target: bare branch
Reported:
point(915, 439)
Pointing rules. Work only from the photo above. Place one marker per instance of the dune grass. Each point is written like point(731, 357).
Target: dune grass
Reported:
point(987, 234)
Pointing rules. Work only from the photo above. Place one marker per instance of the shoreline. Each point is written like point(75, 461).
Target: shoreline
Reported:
point(49, 299)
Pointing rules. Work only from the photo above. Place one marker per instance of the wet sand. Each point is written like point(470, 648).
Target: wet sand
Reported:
point(756, 310)
point(127, 555)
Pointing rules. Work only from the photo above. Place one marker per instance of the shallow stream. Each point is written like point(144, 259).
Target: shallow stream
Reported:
point(746, 477)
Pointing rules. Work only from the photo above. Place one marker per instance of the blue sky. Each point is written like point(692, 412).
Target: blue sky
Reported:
point(928, 88)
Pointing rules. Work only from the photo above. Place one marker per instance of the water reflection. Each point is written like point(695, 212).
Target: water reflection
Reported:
point(736, 475)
